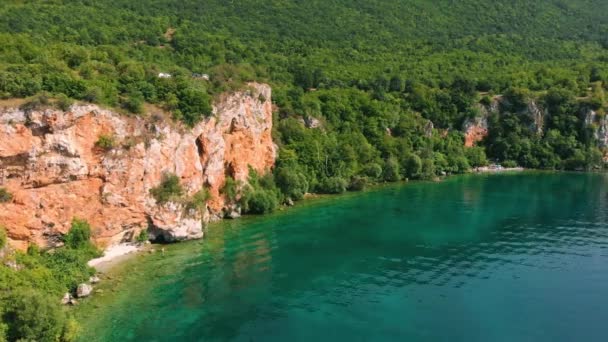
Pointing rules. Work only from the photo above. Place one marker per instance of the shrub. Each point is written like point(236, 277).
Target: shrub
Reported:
point(292, 184)
point(79, 235)
point(71, 329)
point(33, 316)
point(169, 189)
point(428, 168)
point(5, 196)
point(373, 170)
point(391, 171)
point(476, 156)
point(259, 201)
point(486, 100)
point(3, 331)
point(33, 249)
point(443, 163)
point(68, 266)
point(3, 237)
point(230, 189)
point(36, 102)
point(134, 103)
point(412, 166)
point(460, 164)
point(198, 200)
point(333, 185)
point(194, 105)
point(357, 183)
point(105, 142)
point(509, 163)
point(63, 102)
point(143, 236)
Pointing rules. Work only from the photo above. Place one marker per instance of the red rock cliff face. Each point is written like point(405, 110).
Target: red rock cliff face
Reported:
point(476, 129)
point(49, 162)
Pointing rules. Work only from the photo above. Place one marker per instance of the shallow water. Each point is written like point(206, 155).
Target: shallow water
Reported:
point(474, 258)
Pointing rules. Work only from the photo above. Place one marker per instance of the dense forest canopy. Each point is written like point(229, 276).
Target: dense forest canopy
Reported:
point(500, 43)
point(374, 72)
point(391, 81)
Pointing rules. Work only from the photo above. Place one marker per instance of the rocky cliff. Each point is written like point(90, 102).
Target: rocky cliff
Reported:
point(599, 125)
point(476, 129)
point(52, 164)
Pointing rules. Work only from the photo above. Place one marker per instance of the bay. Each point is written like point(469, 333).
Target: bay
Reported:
point(509, 257)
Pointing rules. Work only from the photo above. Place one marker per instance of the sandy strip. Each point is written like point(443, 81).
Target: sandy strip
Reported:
point(486, 169)
point(113, 255)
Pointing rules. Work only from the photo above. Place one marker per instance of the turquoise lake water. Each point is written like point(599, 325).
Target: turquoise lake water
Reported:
point(516, 257)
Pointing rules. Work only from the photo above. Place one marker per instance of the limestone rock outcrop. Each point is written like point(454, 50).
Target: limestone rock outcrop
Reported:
point(51, 164)
point(599, 125)
point(476, 129)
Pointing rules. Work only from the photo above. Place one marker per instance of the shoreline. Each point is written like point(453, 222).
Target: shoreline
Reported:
point(490, 169)
point(115, 255)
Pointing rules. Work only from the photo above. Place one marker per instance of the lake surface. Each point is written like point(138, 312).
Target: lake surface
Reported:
point(517, 257)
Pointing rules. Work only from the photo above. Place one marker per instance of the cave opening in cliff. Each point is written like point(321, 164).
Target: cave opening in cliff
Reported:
point(200, 147)
point(155, 234)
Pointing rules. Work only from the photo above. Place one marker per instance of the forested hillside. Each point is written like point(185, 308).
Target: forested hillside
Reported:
point(372, 72)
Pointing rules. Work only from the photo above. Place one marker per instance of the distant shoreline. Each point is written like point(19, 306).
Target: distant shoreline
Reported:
point(496, 169)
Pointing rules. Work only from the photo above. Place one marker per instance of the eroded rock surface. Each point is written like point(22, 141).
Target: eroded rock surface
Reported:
point(49, 161)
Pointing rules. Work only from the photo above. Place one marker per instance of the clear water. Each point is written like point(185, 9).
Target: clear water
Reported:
point(475, 258)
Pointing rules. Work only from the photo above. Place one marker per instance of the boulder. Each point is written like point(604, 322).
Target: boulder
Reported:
point(84, 290)
point(67, 299)
point(94, 280)
point(232, 212)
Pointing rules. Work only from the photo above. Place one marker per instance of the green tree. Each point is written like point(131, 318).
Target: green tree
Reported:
point(33, 316)
point(293, 184)
point(412, 166)
point(79, 235)
point(333, 185)
point(428, 169)
point(194, 104)
point(391, 171)
point(476, 156)
point(259, 201)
